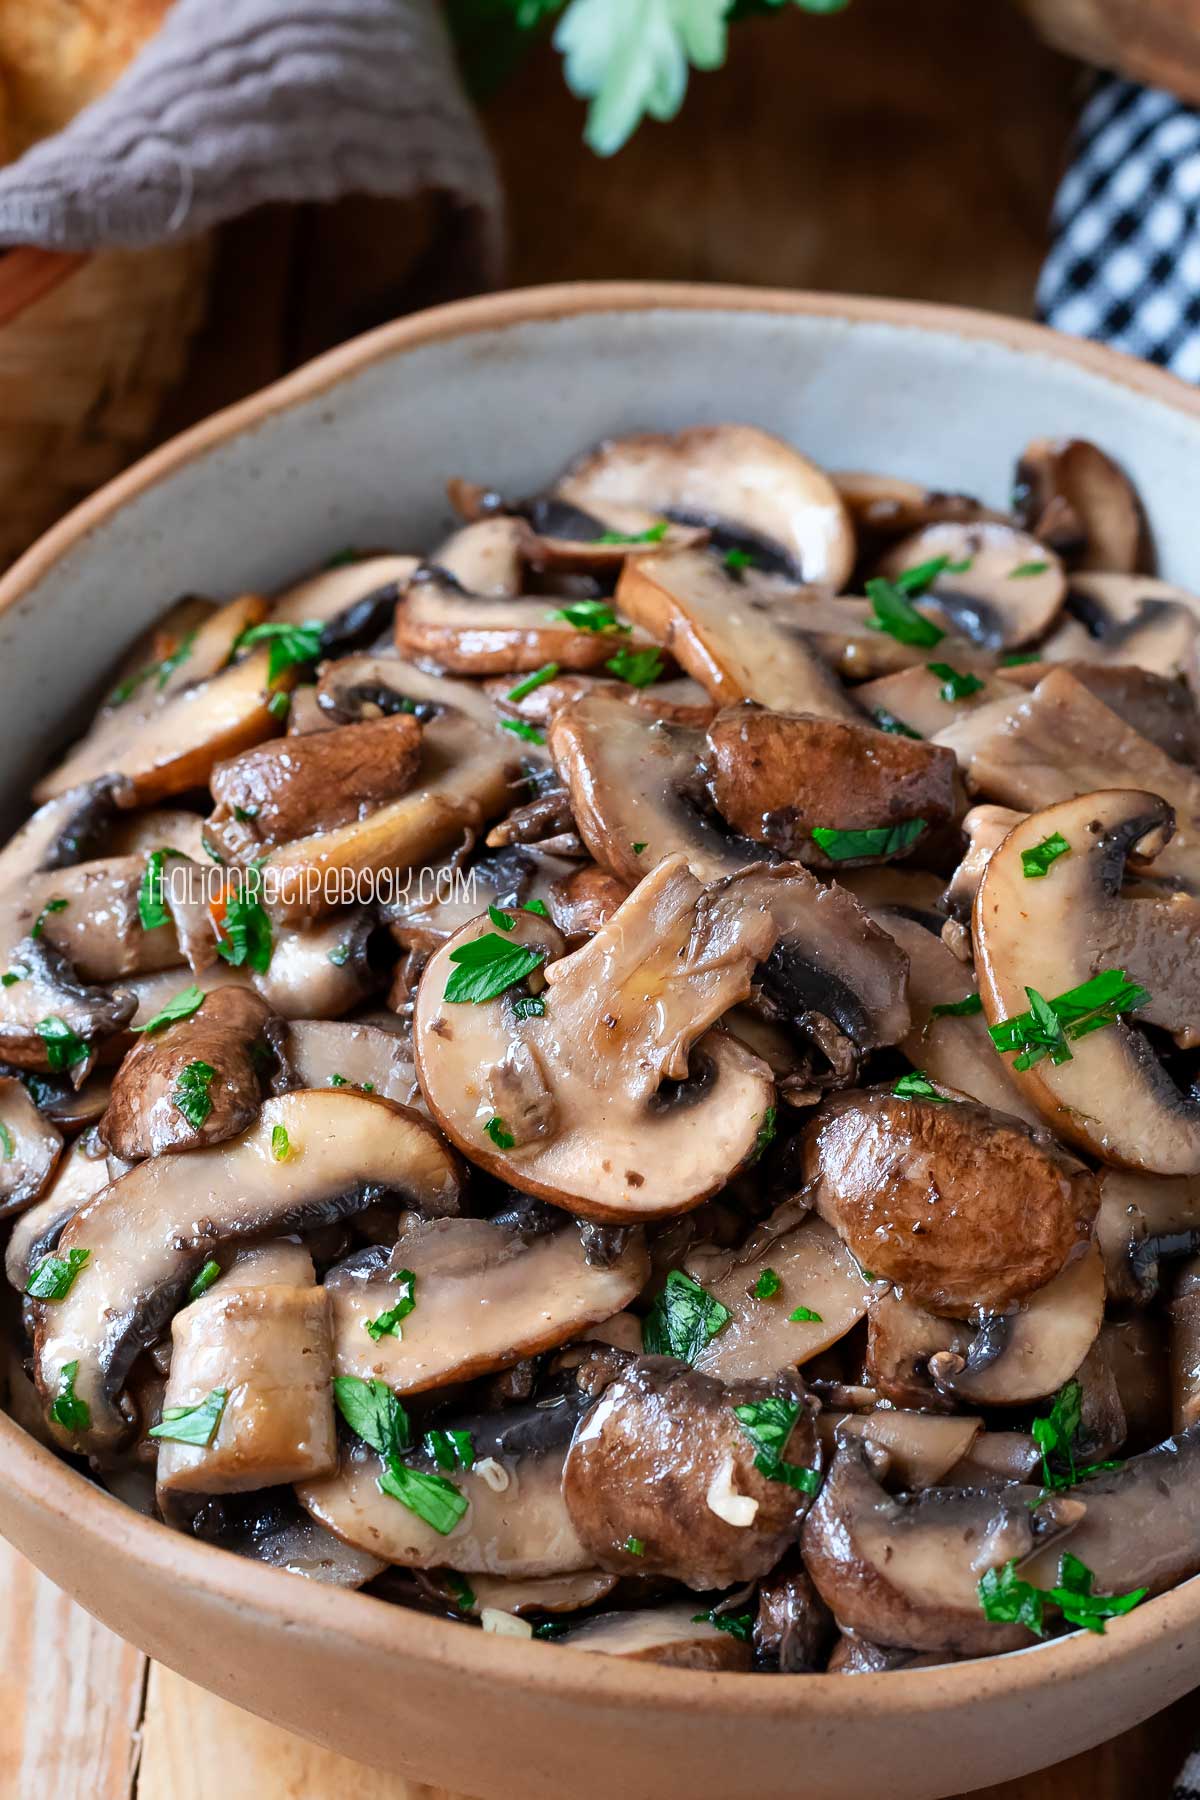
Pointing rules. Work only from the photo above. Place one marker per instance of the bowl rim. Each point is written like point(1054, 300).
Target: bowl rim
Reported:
point(101, 1523)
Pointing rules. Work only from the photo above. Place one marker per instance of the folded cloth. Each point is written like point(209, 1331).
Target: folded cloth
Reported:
point(1124, 266)
point(239, 102)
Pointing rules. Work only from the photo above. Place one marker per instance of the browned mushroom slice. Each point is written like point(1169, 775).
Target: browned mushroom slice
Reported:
point(261, 1337)
point(1137, 1348)
point(888, 506)
point(581, 902)
point(549, 1593)
point(516, 1524)
point(739, 641)
point(1142, 1219)
point(78, 1177)
point(682, 701)
point(628, 1016)
point(312, 1158)
point(1141, 1526)
point(72, 1109)
point(156, 828)
point(1060, 741)
point(961, 1207)
point(49, 1019)
point(996, 1457)
point(778, 776)
point(1024, 1355)
point(287, 789)
point(1158, 707)
point(817, 1275)
point(854, 1655)
point(752, 488)
point(348, 600)
point(357, 688)
point(901, 1339)
point(318, 1053)
point(671, 1635)
point(929, 696)
point(1110, 1094)
point(905, 1571)
point(921, 1448)
point(90, 915)
point(793, 1625)
point(152, 992)
point(1072, 496)
point(999, 587)
point(985, 829)
point(711, 1519)
point(192, 1084)
point(441, 898)
point(62, 832)
point(486, 1296)
point(1183, 1311)
point(452, 631)
point(1128, 619)
point(318, 973)
point(29, 1148)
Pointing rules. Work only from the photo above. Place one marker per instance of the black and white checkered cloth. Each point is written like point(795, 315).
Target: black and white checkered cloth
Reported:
point(1125, 262)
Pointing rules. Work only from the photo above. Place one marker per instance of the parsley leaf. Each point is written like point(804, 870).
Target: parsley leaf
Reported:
point(1006, 1599)
point(6, 1138)
point(161, 670)
point(244, 927)
point(1037, 861)
point(638, 667)
point(187, 1001)
point(1046, 1027)
point(653, 534)
point(193, 1424)
point(1055, 1434)
point(529, 1006)
point(736, 560)
point(956, 685)
point(387, 1324)
point(588, 615)
point(373, 1413)
point(152, 908)
point(887, 721)
point(204, 1280)
point(766, 1134)
point(529, 734)
point(502, 1139)
point(64, 1047)
point(538, 679)
point(682, 1320)
point(450, 1449)
point(804, 1315)
point(51, 906)
point(893, 612)
point(767, 1285)
point(72, 1414)
point(503, 921)
point(631, 57)
point(54, 1276)
point(486, 966)
point(634, 1546)
point(738, 1625)
point(917, 1086)
point(921, 576)
point(1026, 569)
point(192, 1096)
point(881, 840)
point(431, 1497)
point(538, 907)
point(957, 1009)
point(291, 645)
point(281, 1147)
point(768, 1424)
point(461, 1591)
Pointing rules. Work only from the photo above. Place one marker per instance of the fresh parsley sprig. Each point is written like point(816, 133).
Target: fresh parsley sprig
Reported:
point(683, 1319)
point(1048, 1025)
point(768, 1424)
point(1006, 1599)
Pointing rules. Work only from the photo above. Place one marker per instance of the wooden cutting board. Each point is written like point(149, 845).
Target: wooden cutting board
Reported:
point(85, 1717)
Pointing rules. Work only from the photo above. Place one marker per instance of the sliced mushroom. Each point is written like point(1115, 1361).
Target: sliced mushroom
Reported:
point(1184, 1314)
point(1161, 708)
point(319, 1053)
point(155, 1106)
point(739, 642)
point(313, 1158)
point(1028, 1353)
point(49, 1017)
point(353, 601)
point(516, 1524)
point(448, 895)
point(487, 1296)
point(671, 1635)
point(997, 1457)
point(1113, 1096)
point(358, 688)
point(749, 487)
point(547, 1594)
point(270, 1527)
point(959, 1206)
point(90, 915)
point(921, 1448)
point(1000, 587)
point(1143, 1218)
point(156, 828)
point(711, 1519)
point(926, 700)
point(681, 700)
point(262, 1335)
point(585, 900)
point(1137, 1349)
point(777, 776)
point(152, 992)
point(455, 632)
point(292, 787)
point(854, 1655)
point(905, 1570)
point(816, 1272)
point(985, 829)
point(901, 1340)
point(320, 972)
point(62, 832)
point(30, 1147)
point(78, 1177)
point(887, 505)
point(1128, 619)
point(1072, 496)
point(793, 1625)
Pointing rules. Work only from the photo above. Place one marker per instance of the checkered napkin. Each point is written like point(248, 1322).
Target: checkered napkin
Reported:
point(1125, 262)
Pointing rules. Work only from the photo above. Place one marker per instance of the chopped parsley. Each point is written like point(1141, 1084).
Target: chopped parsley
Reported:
point(1026, 569)
point(529, 1006)
point(638, 667)
point(152, 907)
point(278, 705)
point(804, 1315)
point(51, 906)
point(1046, 1027)
point(538, 679)
point(503, 1140)
point(486, 966)
point(204, 1279)
point(880, 840)
point(193, 1424)
point(339, 956)
point(683, 1319)
point(768, 1424)
point(1055, 1435)
point(537, 906)
point(64, 1047)
point(738, 1625)
point(887, 721)
point(528, 733)
point(956, 685)
point(892, 611)
point(588, 615)
point(653, 534)
point(187, 1001)
point(638, 848)
point(387, 1324)
point(767, 1285)
point(1037, 861)
point(461, 1591)
point(737, 560)
point(373, 1413)
point(192, 1095)
point(503, 921)
point(291, 645)
point(245, 814)
point(161, 670)
point(766, 1134)
point(917, 1086)
point(1020, 657)
point(6, 1138)
point(18, 972)
point(336, 1080)
point(72, 1414)
point(431, 1497)
point(957, 1009)
point(54, 1276)
point(243, 926)
point(450, 1449)
point(922, 576)
point(1006, 1599)
point(634, 1546)
point(281, 1144)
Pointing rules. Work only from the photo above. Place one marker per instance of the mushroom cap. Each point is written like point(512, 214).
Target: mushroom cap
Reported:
point(30, 1146)
point(1026, 1354)
point(670, 1635)
point(1009, 593)
point(451, 631)
point(1128, 619)
point(959, 1206)
point(1070, 495)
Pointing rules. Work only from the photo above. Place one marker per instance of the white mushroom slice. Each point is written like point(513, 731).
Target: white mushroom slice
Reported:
point(623, 1015)
point(486, 1296)
point(740, 641)
point(680, 700)
point(1183, 1311)
point(1128, 619)
point(157, 828)
point(1008, 594)
point(262, 1335)
point(734, 478)
point(887, 505)
point(985, 829)
point(48, 1003)
point(901, 1340)
point(319, 972)
point(1161, 708)
point(358, 595)
point(61, 832)
point(312, 1158)
point(319, 1053)
point(550, 1594)
point(1113, 1096)
point(562, 536)
point(372, 687)
point(996, 1457)
point(175, 747)
point(922, 1448)
point(487, 556)
point(151, 993)
point(1072, 496)
point(1024, 1355)
point(816, 1271)
point(445, 897)
point(30, 1146)
point(1141, 1219)
point(1060, 741)
point(925, 700)
point(78, 1177)
point(284, 1537)
point(670, 1635)
point(459, 633)
point(90, 915)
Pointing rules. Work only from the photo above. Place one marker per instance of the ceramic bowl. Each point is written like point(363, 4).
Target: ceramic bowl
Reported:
point(355, 449)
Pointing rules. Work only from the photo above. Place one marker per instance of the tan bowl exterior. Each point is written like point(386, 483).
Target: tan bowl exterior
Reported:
point(513, 1720)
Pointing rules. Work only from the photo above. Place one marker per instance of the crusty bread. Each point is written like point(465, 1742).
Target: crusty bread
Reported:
point(58, 55)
